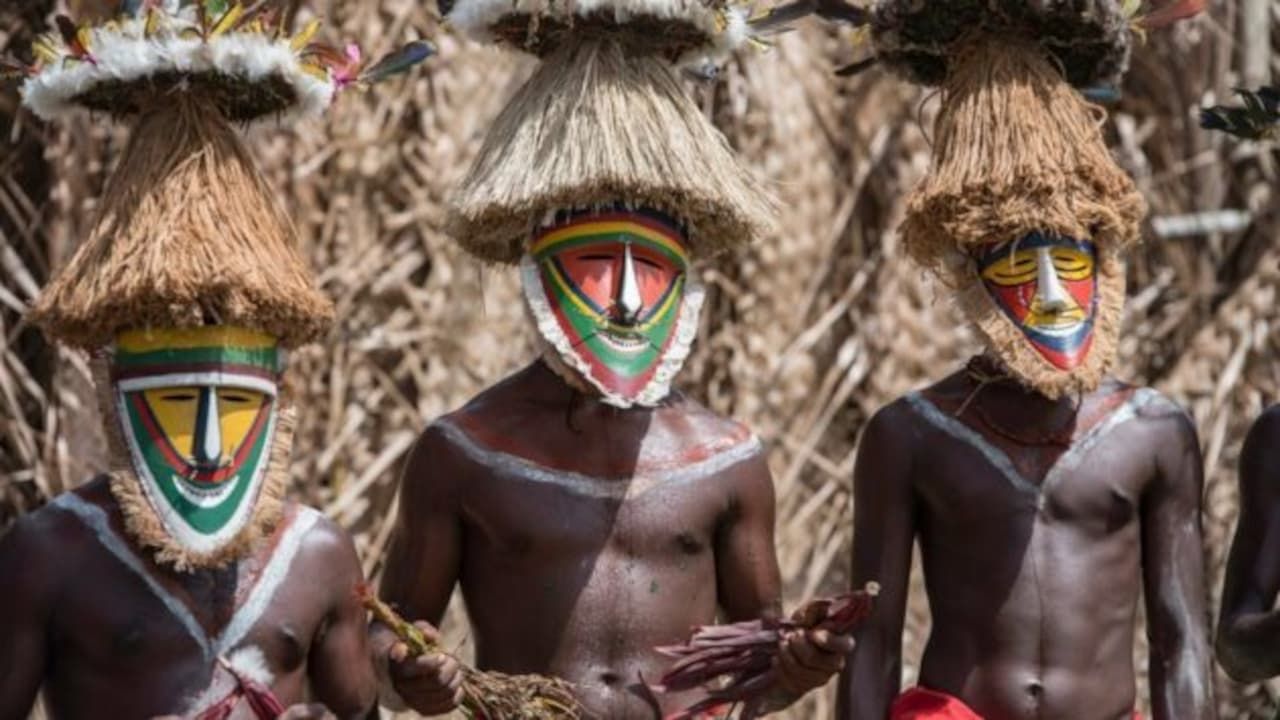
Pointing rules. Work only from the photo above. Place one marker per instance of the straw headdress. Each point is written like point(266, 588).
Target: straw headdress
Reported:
point(1016, 149)
point(604, 119)
point(188, 232)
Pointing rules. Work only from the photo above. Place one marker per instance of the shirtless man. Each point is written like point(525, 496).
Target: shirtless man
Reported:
point(97, 624)
point(1043, 494)
point(181, 583)
point(1249, 626)
point(1038, 522)
point(584, 534)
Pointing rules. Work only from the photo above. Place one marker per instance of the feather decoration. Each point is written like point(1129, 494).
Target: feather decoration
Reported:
point(1171, 13)
point(1258, 119)
point(396, 62)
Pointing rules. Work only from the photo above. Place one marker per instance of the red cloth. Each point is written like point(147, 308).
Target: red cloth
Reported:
point(924, 704)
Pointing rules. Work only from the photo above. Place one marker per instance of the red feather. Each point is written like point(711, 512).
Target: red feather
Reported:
point(1172, 13)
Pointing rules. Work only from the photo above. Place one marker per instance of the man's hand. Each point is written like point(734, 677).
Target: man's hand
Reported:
point(429, 684)
point(808, 658)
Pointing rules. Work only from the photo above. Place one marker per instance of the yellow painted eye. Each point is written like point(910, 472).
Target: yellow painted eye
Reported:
point(175, 411)
point(1072, 264)
point(1015, 268)
point(237, 410)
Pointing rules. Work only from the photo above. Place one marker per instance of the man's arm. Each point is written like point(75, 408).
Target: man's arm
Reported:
point(1173, 577)
point(749, 585)
point(421, 569)
point(1249, 629)
point(748, 582)
point(883, 533)
point(24, 607)
point(341, 675)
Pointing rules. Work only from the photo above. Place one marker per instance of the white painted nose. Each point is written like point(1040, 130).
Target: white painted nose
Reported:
point(208, 440)
point(629, 300)
point(1053, 297)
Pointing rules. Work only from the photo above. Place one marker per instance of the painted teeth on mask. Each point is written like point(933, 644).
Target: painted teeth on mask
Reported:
point(204, 496)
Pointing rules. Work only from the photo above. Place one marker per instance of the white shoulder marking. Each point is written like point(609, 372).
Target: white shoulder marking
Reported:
point(269, 581)
point(96, 520)
point(620, 488)
point(958, 430)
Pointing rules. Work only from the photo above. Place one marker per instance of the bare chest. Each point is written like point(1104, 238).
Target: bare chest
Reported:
point(665, 508)
point(125, 622)
point(1094, 486)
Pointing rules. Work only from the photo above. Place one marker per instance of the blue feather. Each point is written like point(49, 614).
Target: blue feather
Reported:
point(398, 61)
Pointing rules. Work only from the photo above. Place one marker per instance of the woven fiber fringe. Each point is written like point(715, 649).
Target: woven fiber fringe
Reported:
point(140, 519)
point(189, 233)
point(598, 124)
point(1016, 149)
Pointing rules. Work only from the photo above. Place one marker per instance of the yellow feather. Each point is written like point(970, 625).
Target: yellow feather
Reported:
point(1131, 7)
point(44, 50)
point(152, 22)
point(317, 71)
point(84, 36)
point(228, 20)
point(299, 41)
point(860, 36)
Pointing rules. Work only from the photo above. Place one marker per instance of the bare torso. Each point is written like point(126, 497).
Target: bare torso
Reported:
point(1033, 546)
point(582, 535)
point(117, 631)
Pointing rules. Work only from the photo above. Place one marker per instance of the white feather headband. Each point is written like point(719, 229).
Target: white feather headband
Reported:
point(246, 65)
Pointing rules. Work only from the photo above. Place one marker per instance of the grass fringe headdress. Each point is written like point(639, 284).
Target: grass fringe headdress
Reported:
point(604, 119)
point(188, 233)
point(1017, 149)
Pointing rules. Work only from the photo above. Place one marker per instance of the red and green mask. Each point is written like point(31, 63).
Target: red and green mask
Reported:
point(612, 294)
point(197, 411)
point(1048, 287)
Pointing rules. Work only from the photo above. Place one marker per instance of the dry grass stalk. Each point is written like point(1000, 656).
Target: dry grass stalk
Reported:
point(485, 695)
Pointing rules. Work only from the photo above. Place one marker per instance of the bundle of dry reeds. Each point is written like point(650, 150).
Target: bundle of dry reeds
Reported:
point(803, 336)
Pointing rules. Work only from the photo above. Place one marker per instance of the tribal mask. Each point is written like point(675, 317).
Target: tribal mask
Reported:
point(612, 294)
point(1048, 287)
point(197, 412)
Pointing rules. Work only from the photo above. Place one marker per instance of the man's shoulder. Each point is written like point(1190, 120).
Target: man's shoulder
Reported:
point(67, 528)
point(1267, 425)
point(322, 543)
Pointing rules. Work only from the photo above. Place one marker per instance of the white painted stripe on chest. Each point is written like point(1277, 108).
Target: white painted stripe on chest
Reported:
point(95, 518)
point(591, 486)
point(245, 616)
point(1069, 460)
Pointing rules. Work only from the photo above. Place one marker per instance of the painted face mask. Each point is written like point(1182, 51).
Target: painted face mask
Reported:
point(1048, 287)
point(197, 411)
point(611, 293)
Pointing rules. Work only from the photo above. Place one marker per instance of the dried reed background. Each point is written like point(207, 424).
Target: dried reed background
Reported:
point(804, 336)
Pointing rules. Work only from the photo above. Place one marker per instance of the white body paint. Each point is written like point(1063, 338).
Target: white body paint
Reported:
point(1000, 460)
point(620, 488)
point(226, 644)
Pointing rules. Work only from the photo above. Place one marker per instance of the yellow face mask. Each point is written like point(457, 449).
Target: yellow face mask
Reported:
point(205, 425)
point(197, 409)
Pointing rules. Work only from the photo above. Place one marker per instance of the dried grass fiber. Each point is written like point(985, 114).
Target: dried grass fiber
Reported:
point(597, 124)
point(188, 233)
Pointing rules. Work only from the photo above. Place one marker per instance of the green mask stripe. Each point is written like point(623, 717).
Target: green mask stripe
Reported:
point(266, 358)
point(592, 239)
point(203, 520)
point(585, 326)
